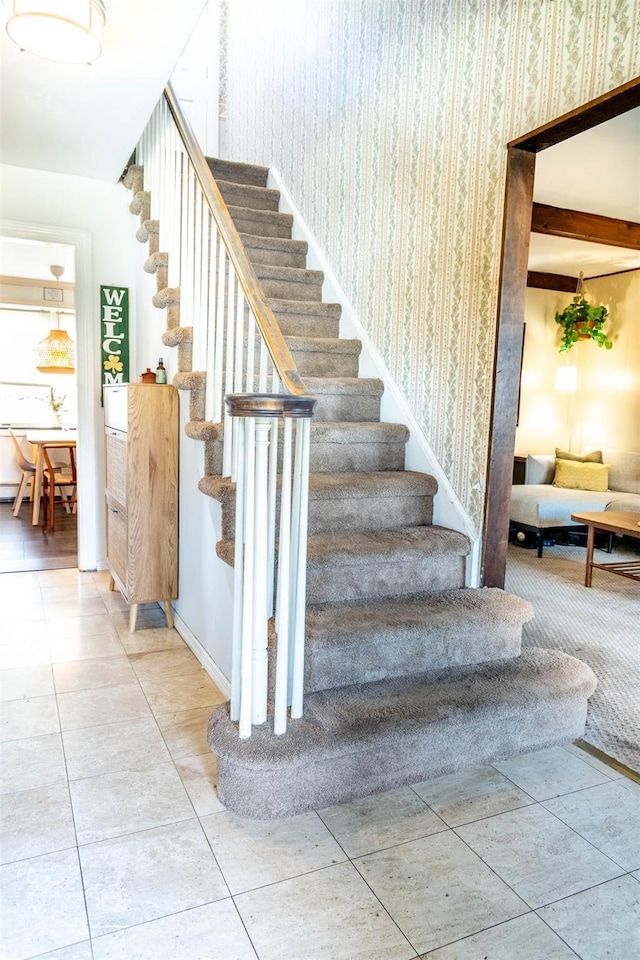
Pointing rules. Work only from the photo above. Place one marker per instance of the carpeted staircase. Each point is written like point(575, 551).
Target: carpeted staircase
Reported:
point(408, 673)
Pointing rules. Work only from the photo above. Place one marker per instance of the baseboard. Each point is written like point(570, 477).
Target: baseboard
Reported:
point(448, 511)
point(199, 652)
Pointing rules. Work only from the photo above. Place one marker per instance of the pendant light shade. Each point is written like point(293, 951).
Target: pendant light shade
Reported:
point(64, 30)
point(56, 353)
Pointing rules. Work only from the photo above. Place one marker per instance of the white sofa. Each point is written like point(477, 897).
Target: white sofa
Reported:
point(539, 507)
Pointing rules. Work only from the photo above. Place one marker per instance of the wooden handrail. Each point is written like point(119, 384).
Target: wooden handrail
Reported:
point(272, 335)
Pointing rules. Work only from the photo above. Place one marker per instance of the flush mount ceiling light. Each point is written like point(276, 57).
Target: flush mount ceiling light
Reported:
point(67, 31)
point(57, 352)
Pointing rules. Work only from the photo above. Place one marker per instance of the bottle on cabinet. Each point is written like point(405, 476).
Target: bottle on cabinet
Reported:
point(161, 373)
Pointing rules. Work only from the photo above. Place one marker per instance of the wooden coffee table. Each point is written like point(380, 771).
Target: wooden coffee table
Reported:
point(615, 522)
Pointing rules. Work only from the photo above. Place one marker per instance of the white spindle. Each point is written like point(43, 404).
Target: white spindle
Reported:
point(238, 576)
point(219, 347)
point(211, 321)
point(301, 508)
point(248, 572)
point(251, 346)
point(230, 345)
point(195, 320)
point(273, 496)
point(284, 584)
point(260, 621)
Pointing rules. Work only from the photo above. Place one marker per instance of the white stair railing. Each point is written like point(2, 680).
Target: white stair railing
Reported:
point(252, 387)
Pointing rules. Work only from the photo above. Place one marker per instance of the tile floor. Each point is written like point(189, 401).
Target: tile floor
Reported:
point(115, 846)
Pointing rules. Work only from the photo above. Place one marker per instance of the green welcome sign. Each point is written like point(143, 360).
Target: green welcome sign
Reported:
point(114, 323)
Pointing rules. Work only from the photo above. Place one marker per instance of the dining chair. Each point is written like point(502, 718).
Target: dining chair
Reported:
point(57, 477)
point(28, 469)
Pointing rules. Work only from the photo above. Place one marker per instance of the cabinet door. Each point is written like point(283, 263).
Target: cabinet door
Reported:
point(117, 540)
point(116, 406)
point(116, 464)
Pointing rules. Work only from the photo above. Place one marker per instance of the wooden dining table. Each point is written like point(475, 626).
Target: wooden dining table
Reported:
point(50, 438)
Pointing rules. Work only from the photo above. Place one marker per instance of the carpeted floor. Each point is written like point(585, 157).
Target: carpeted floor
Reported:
point(600, 625)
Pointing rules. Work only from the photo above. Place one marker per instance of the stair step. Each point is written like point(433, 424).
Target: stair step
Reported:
point(289, 283)
point(345, 447)
point(243, 195)
point(369, 501)
point(358, 740)
point(364, 642)
point(346, 399)
point(384, 563)
point(304, 318)
point(325, 356)
point(275, 250)
point(234, 172)
point(261, 223)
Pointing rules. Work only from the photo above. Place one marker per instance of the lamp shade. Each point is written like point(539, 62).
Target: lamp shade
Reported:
point(567, 379)
point(64, 30)
point(56, 353)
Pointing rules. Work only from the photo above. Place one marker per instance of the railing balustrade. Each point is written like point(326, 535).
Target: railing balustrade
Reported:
point(254, 389)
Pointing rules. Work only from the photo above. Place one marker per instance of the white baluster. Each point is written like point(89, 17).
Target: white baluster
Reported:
point(260, 622)
point(238, 572)
point(284, 583)
point(237, 368)
point(228, 372)
point(251, 344)
point(301, 507)
point(246, 682)
point(219, 349)
point(273, 502)
point(184, 206)
point(196, 319)
point(210, 401)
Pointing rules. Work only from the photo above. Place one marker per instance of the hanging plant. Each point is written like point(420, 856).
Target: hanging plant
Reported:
point(580, 321)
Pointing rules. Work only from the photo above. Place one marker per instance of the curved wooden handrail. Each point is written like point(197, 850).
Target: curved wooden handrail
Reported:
point(275, 342)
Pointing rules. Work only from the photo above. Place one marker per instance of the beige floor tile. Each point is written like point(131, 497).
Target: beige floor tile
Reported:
point(182, 936)
point(21, 611)
point(69, 628)
point(330, 914)
point(56, 578)
point(23, 584)
point(35, 717)
point(129, 801)
point(99, 647)
point(43, 905)
point(373, 823)
point(90, 674)
point(471, 795)
point(253, 853)
point(87, 708)
point(437, 890)
point(599, 924)
point(30, 654)
point(79, 951)
point(24, 682)
point(32, 632)
point(80, 607)
point(525, 938)
point(111, 747)
point(165, 663)
point(79, 590)
point(200, 776)
point(185, 731)
point(550, 773)
point(35, 822)
point(593, 761)
point(608, 816)
point(181, 693)
point(144, 876)
point(31, 763)
point(630, 785)
point(537, 855)
point(152, 640)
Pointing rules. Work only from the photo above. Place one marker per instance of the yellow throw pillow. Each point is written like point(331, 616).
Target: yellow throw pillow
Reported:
point(595, 457)
point(574, 475)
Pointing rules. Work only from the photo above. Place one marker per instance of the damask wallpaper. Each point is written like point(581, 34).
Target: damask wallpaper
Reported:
point(388, 121)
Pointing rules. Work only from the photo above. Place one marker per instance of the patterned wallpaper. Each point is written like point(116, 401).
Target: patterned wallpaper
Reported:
point(388, 121)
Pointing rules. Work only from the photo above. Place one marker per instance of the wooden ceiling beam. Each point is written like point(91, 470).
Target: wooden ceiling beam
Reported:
point(558, 222)
point(552, 281)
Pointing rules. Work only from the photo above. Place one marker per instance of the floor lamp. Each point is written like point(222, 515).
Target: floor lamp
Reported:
point(567, 382)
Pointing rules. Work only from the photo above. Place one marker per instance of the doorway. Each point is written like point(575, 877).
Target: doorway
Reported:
point(512, 289)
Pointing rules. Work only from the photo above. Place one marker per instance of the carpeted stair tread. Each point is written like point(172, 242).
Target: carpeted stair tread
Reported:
point(235, 172)
point(347, 386)
point(246, 195)
point(364, 642)
point(392, 546)
point(357, 740)
point(324, 345)
point(263, 223)
point(292, 283)
point(306, 317)
point(355, 486)
point(278, 251)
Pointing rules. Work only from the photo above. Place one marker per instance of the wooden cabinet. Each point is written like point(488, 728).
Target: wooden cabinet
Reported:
point(141, 452)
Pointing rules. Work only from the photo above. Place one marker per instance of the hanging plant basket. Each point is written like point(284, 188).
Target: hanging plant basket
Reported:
point(581, 321)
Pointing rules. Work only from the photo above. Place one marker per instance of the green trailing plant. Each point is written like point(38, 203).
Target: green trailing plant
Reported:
point(580, 321)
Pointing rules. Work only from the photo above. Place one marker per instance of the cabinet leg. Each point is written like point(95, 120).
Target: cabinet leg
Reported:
point(133, 616)
point(168, 611)
point(112, 583)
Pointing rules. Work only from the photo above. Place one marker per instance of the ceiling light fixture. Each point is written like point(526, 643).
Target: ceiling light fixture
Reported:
point(67, 31)
point(57, 352)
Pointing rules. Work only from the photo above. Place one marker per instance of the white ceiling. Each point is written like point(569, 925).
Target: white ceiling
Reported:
point(597, 172)
point(85, 120)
